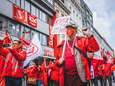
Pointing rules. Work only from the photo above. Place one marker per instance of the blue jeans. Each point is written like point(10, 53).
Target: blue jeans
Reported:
point(95, 81)
point(11, 81)
point(39, 83)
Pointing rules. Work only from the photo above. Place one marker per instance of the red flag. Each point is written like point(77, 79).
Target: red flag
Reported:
point(51, 36)
point(7, 38)
point(53, 39)
point(53, 19)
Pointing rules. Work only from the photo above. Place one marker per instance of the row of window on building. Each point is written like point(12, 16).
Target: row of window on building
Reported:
point(16, 30)
point(29, 7)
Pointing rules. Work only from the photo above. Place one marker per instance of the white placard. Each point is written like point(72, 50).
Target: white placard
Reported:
point(60, 24)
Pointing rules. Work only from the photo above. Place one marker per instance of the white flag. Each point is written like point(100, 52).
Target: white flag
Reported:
point(34, 50)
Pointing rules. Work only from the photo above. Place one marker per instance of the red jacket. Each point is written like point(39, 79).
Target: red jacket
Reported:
point(14, 62)
point(87, 45)
point(107, 69)
point(44, 74)
point(83, 44)
point(101, 68)
point(40, 74)
point(54, 72)
point(32, 71)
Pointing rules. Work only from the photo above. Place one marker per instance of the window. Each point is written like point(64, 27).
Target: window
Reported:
point(17, 30)
point(33, 10)
point(27, 35)
point(0, 25)
point(43, 39)
point(44, 17)
point(12, 28)
point(18, 2)
point(27, 6)
point(70, 7)
point(73, 11)
point(22, 4)
point(3, 24)
point(32, 34)
point(50, 1)
point(41, 15)
point(38, 13)
point(76, 15)
point(22, 30)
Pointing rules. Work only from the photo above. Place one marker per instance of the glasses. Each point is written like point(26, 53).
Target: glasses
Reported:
point(84, 29)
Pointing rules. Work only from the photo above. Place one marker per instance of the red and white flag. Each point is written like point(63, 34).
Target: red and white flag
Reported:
point(34, 50)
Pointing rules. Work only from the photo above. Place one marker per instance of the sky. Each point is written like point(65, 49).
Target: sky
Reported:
point(104, 18)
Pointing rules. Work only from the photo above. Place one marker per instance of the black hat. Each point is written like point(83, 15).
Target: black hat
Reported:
point(72, 25)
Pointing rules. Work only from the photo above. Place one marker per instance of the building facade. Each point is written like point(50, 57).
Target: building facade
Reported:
point(31, 16)
point(61, 8)
point(76, 11)
point(86, 20)
point(87, 16)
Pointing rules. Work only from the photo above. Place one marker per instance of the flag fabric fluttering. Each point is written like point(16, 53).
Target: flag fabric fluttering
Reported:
point(34, 50)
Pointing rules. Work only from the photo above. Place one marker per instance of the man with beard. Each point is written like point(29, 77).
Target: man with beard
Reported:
point(83, 45)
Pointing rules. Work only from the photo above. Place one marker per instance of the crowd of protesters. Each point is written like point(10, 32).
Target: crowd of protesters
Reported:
point(64, 70)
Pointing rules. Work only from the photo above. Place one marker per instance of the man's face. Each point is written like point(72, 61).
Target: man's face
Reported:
point(71, 32)
point(16, 45)
point(90, 55)
point(86, 32)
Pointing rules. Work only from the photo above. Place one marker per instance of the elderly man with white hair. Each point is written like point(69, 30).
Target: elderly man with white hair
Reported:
point(84, 44)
